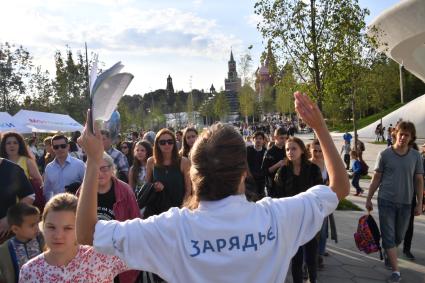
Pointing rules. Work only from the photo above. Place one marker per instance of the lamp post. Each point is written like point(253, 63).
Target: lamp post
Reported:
point(401, 83)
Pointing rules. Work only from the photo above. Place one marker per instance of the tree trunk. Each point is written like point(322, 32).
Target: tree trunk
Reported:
point(353, 105)
point(317, 81)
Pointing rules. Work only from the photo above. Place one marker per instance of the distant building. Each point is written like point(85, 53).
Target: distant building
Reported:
point(232, 85)
point(264, 77)
point(233, 82)
point(169, 88)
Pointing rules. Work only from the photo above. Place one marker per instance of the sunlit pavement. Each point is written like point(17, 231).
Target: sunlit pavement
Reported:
point(345, 262)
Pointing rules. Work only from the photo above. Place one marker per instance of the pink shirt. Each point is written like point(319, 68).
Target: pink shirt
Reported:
point(87, 266)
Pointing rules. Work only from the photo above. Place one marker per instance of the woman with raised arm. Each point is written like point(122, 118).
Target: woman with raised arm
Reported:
point(219, 236)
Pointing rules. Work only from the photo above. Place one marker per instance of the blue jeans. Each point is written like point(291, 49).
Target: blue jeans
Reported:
point(355, 182)
point(393, 221)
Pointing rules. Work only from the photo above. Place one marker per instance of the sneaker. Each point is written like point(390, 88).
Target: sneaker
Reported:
point(394, 278)
point(408, 255)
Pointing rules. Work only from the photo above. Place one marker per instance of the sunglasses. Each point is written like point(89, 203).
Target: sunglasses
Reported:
point(105, 168)
point(124, 147)
point(164, 142)
point(57, 146)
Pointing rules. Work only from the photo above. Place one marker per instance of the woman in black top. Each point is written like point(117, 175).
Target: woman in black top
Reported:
point(296, 176)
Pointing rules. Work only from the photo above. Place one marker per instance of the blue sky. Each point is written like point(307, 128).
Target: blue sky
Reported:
point(189, 39)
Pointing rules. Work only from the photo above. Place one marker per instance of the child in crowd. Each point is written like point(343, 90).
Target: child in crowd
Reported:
point(346, 148)
point(357, 169)
point(65, 260)
point(27, 243)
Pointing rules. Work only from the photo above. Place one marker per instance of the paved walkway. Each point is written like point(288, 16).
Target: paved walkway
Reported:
point(346, 263)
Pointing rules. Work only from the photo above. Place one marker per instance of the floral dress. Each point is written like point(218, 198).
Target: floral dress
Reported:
point(87, 266)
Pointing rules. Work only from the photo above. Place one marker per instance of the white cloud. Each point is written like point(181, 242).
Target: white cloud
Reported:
point(133, 29)
point(116, 30)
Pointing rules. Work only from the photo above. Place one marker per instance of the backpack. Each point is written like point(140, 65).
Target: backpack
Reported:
point(367, 237)
point(364, 168)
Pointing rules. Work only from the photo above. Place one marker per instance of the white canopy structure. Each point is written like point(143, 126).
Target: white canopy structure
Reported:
point(8, 124)
point(47, 122)
point(400, 31)
point(414, 111)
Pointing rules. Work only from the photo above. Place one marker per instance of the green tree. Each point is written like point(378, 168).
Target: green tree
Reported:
point(285, 89)
point(221, 106)
point(71, 95)
point(15, 69)
point(41, 90)
point(309, 35)
point(245, 65)
point(247, 99)
point(344, 80)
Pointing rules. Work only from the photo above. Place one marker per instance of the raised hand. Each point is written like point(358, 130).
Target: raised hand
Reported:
point(91, 143)
point(308, 111)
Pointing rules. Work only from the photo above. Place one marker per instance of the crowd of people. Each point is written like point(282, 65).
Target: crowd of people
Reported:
point(178, 206)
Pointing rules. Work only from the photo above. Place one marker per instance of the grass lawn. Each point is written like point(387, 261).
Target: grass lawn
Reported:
point(345, 204)
point(363, 122)
point(365, 177)
point(378, 142)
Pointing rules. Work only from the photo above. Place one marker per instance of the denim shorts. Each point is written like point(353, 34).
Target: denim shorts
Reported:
point(393, 221)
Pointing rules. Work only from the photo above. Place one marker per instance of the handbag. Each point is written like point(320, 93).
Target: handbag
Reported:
point(145, 195)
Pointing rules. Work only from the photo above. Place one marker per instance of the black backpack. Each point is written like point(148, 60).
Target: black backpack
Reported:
point(145, 195)
point(364, 168)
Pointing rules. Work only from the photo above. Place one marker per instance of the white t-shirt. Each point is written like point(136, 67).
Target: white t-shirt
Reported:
point(230, 240)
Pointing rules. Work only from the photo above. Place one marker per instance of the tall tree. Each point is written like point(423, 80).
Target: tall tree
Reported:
point(352, 58)
point(245, 65)
point(309, 34)
point(285, 89)
point(70, 85)
point(41, 90)
point(221, 105)
point(15, 68)
point(247, 99)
